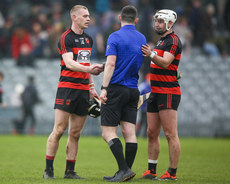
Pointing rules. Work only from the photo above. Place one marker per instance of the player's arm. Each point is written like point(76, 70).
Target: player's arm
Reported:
point(108, 73)
point(163, 62)
point(94, 69)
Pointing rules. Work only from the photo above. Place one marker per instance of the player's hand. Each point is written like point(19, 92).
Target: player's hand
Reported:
point(96, 69)
point(103, 96)
point(93, 93)
point(146, 50)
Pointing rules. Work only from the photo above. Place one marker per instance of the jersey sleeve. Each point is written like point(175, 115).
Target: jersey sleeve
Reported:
point(111, 48)
point(172, 46)
point(65, 44)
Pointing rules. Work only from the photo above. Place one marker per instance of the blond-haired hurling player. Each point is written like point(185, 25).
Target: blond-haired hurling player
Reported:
point(75, 86)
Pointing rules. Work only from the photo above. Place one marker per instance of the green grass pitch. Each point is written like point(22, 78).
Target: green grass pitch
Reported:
point(22, 160)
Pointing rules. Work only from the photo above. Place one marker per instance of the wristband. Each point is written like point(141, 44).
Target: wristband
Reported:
point(153, 53)
point(102, 87)
point(91, 85)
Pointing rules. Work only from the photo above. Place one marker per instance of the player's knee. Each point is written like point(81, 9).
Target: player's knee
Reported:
point(152, 134)
point(130, 136)
point(170, 136)
point(75, 135)
point(58, 133)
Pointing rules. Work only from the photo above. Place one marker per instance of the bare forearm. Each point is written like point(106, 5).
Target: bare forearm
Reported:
point(90, 79)
point(163, 61)
point(108, 73)
point(74, 66)
point(160, 61)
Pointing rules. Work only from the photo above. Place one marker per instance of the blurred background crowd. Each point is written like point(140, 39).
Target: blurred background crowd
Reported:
point(30, 31)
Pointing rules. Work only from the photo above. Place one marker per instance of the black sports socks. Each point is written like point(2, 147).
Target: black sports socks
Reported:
point(172, 171)
point(130, 153)
point(49, 162)
point(117, 150)
point(70, 164)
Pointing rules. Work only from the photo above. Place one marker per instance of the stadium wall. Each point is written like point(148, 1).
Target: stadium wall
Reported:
point(204, 109)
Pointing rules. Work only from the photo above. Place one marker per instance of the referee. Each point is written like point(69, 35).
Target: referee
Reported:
point(119, 92)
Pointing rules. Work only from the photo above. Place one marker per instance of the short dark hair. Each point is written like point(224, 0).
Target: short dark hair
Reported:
point(128, 14)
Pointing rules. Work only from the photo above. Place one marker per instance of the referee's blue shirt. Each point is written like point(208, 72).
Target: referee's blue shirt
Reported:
point(126, 45)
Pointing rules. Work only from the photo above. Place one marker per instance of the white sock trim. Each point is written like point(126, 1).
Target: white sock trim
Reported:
point(152, 161)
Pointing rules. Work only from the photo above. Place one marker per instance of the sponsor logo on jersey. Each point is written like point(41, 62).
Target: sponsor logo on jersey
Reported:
point(83, 56)
point(76, 40)
point(160, 42)
point(82, 40)
point(87, 40)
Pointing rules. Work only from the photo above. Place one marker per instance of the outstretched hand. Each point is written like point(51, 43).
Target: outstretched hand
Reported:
point(96, 69)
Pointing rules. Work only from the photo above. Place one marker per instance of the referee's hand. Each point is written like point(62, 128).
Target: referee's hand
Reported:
point(103, 96)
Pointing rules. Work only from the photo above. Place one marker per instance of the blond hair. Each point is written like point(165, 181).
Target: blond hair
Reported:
point(76, 8)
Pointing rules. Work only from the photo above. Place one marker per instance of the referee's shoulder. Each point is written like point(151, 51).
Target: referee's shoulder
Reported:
point(141, 35)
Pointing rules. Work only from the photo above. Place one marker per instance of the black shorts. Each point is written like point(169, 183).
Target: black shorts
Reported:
point(120, 106)
point(74, 101)
point(157, 102)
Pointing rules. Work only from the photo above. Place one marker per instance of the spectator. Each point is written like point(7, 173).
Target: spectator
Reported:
point(16, 99)
point(98, 40)
point(16, 102)
point(194, 17)
point(19, 38)
point(207, 30)
point(5, 36)
point(102, 6)
point(39, 38)
point(116, 25)
point(2, 103)
point(226, 21)
point(146, 16)
point(25, 58)
point(227, 15)
point(29, 99)
point(54, 34)
point(185, 34)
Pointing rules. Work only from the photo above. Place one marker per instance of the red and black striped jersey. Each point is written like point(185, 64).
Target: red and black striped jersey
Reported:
point(81, 47)
point(165, 80)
